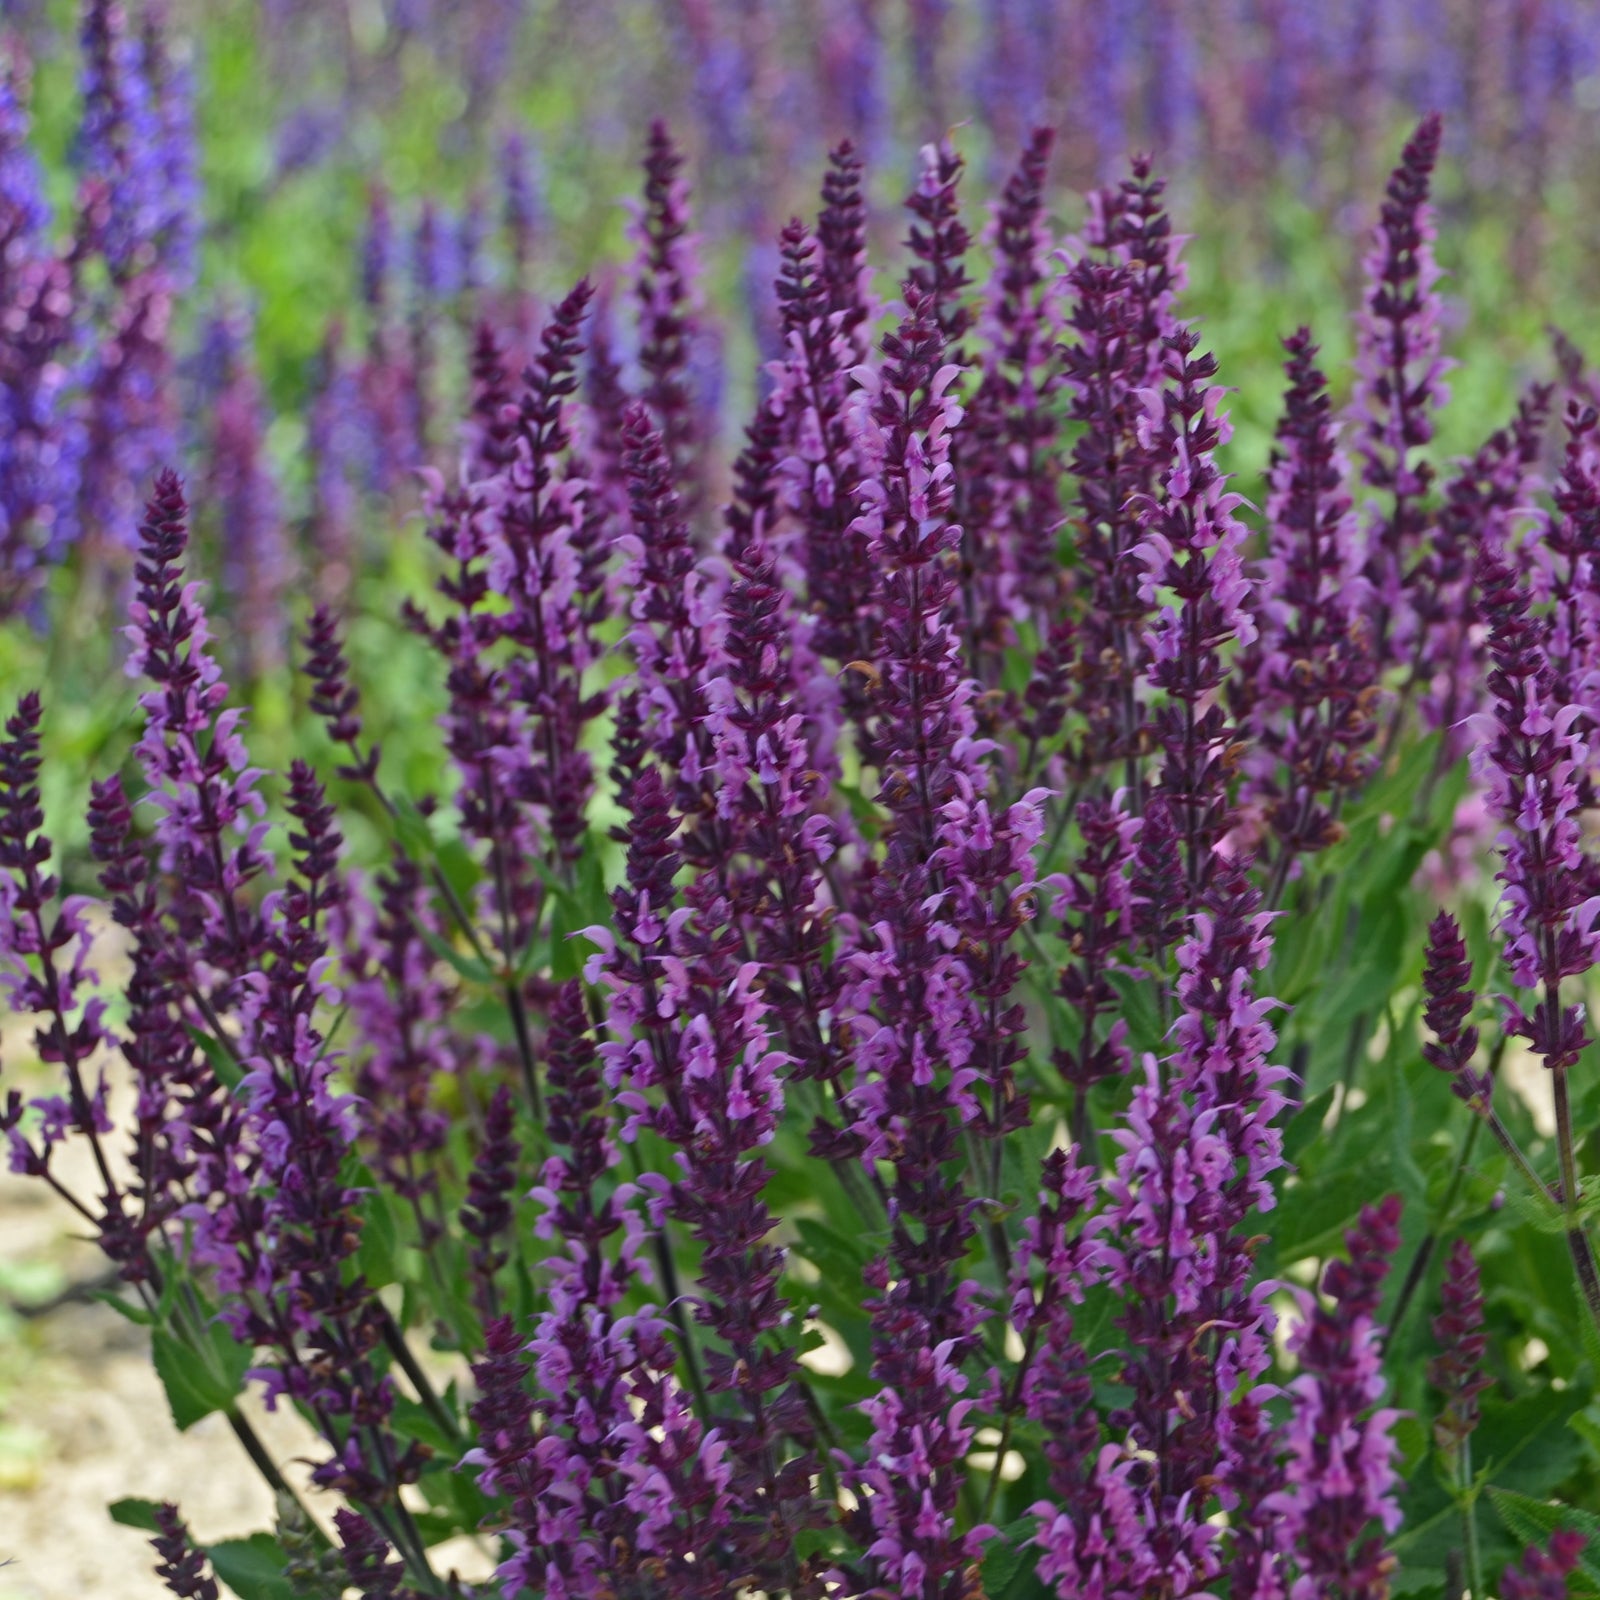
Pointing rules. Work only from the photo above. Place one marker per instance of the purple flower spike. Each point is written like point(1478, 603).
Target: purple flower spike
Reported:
point(842, 236)
point(1341, 1473)
point(1533, 755)
point(911, 996)
point(368, 1559)
point(1121, 310)
point(1400, 376)
point(41, 435)
point(665, 288)
point(488, 1211)
point(1190, 544)
point(1096, 901)
point(1314, 676)
point(820, 469)
point(182, 1567)
point(258, 564)
point(673, 635)
point(205, 792)
point(1447, 980)
point(940, 245)
point(44, 948)
point(1543, 1574)
point(1479, 501)
point(1198, 1152)
point(1020, 321)
point(1457, 1371)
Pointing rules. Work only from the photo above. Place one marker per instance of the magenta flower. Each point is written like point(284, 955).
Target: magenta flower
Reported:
point(1340, 1473)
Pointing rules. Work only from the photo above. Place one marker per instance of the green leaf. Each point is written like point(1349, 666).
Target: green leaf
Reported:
point(413, 831)
point(1009, 1560)
point(139, 1514)
point(199, 1382)
point(124, 1308)
point(380, 1240)
point(219, 1057)
point(1533, 1521)
point(253, 1568)
point(471, 968)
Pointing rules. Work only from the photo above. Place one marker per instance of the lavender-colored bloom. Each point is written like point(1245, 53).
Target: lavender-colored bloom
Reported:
point(182, 1568)
point(940, 244)
point(24, 212)
point(120, 140)
point(674, 635)
point(1012, 401)
point(770, 789)
point(1191, 544)
point(1052, 1383)
point(367, 1556)
point(258, 565)
point(182, 1106)
point(1197, 1157)
point(665, 289)
point(339, 450)
point(910, 996)
point(1532, 756)
point(1456, 1373)
point(1095, 900)
point(1447, 980)
point(646, 1486)
point(169, 73)
point(1480, 500)
point(1314, 677)
point(1399, 376)
point(44, 944)
point(1543, 1574)
point(128, 412)
point(820, 468)
point(398, 1005)
point(1340, 1471)
point(41, 435)
point(488, 1210)
point(1565, 562)
point(208, 830)
point(1121, 310)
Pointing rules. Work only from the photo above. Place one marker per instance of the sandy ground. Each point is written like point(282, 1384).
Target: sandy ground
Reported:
point(83, 1418)
point(83, 1422)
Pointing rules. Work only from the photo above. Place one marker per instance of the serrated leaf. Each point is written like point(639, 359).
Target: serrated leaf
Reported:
point(253, 1568)
point(1532, 1521)
point(198, 1382)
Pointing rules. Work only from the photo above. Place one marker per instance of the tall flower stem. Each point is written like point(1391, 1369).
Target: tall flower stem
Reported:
point(1577, 1238)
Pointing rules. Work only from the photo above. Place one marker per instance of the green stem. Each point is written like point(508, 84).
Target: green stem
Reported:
point(1469, 1522)
point(394, 1337)
point(1577, 1239)
point(1436, 1226)
point(1540, 1189)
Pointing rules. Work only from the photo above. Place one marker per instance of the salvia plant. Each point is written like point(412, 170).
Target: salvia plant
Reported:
point(902, 1061)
